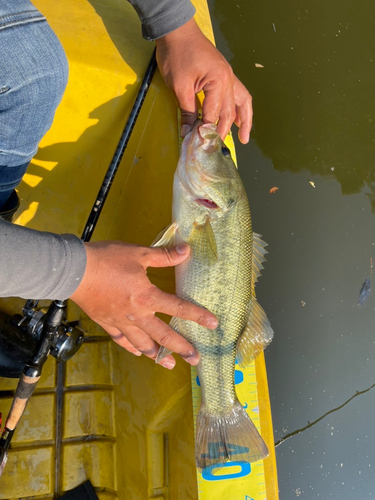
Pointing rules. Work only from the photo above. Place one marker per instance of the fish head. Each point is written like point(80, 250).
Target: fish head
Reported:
point(207, 172)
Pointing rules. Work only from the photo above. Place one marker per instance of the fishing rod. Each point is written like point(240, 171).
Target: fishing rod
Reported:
point(119, 153)
point(46, 333)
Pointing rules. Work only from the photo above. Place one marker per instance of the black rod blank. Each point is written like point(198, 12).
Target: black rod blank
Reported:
point(113, 167)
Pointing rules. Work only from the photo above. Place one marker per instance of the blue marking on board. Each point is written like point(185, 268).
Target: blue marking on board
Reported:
point(207, 472)
point(256, 409)
point(248, 498)
point(238, 377)
point(198, 381)
point(221, 449)
point(245, 406)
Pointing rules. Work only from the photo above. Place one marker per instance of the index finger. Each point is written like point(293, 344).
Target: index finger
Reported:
point(244, 110)
point(227, 114)
point(175, 306)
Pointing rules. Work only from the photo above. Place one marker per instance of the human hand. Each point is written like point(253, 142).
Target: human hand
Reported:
point(190, 63)
point(117, 294)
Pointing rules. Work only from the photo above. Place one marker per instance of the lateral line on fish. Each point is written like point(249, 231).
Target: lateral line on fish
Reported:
point(237, 272)
point(213, 349)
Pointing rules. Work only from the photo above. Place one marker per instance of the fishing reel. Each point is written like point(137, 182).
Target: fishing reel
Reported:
point(25, 344)
point(66, 338)
point(22, 335)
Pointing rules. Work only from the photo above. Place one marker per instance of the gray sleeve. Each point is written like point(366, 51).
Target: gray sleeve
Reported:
point(39, 265)
point(160, 17)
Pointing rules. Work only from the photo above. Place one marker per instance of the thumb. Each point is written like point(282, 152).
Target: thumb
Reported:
point(189, 110)
point(167, 257)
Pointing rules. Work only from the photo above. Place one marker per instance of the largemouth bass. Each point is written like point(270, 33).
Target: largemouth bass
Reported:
point(211, 213)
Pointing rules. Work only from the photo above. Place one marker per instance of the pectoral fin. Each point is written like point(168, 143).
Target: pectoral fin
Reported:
point(203, 243)
point(167, 237)
point(163, 351)
point(256, 335)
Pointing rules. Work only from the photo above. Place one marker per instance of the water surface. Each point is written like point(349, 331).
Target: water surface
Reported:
point(314, 112)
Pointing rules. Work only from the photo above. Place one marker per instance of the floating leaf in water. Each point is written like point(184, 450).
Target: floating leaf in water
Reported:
point(273, 190)
point(257, 65)
point(365, 291)
point(312, 184)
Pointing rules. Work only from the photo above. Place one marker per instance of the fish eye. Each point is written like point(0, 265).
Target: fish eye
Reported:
point(225, 151)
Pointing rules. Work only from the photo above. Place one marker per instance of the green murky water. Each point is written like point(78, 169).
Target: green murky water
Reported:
point(314, 112)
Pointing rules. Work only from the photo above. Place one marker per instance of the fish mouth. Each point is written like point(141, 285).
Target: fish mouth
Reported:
point(196, 139)
point(206, 203)
point(202, 134)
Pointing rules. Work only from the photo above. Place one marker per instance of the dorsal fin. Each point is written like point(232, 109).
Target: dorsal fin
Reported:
point(258, 333)
point(258, 257)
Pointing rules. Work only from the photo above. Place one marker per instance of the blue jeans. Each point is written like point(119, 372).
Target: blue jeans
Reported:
point(33, 77)
point(10, 177)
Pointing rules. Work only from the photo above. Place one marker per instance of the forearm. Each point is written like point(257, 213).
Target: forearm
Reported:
point(160, 17)
point(39, 265)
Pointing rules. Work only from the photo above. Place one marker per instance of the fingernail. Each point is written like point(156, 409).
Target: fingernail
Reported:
point(182, 248)
point(212, 323)
point(193, 360)
point(185, 129)
point(168, 364)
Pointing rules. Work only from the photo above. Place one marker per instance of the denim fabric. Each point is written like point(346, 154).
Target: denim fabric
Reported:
point(14, 12)
point(10, 7)
point(33, 77)
point(10, 177)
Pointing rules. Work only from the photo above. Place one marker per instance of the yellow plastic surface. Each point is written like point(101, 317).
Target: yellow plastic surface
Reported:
point(123, 422)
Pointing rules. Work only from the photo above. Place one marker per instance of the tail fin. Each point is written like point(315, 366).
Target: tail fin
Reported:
point(232, 436)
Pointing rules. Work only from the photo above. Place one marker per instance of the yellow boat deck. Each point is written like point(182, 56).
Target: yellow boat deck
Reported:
point(121, 421)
